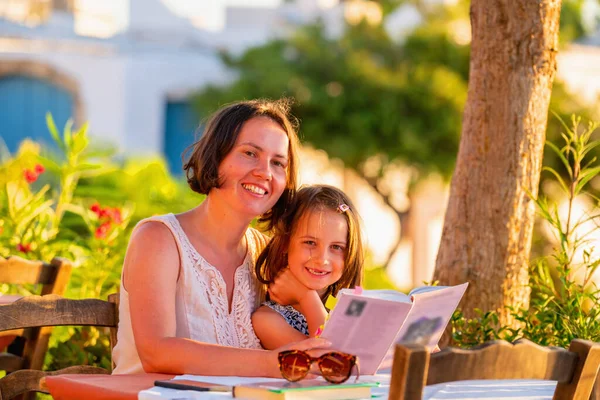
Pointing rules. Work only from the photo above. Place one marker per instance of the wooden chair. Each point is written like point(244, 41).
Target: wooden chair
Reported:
point(29, 349)
point(35, 312)
point(575, 369)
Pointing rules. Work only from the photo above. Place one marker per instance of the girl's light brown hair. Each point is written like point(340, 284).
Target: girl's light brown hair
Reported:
point(309, 199)
point(219, 137)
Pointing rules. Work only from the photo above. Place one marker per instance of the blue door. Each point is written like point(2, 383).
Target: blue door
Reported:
point(24, 102)
point(181, 123)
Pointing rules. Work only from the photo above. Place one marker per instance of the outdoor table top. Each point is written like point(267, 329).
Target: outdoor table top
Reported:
point(141, 386)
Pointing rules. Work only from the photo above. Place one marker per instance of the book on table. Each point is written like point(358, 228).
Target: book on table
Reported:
point(304, 390)
point(370, 323)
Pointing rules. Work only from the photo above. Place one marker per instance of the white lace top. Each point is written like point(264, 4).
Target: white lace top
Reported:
point(201, 307)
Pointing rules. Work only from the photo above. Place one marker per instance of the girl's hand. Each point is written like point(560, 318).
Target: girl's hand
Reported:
point(286, 289)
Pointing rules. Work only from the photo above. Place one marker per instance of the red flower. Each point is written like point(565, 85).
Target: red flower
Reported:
point(95, 208)
point(115, 215)
point(39, 169)
point(104, 213)
point(24, 247)
point(30, 176)
point(102, 230)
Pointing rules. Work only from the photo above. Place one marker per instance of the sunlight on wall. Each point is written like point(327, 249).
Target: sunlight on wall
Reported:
point(27, 12)
point(587, 231)
point(100, 18)
point(357, 10)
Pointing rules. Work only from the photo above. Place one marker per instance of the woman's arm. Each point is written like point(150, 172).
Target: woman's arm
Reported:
point(273, 330)
point(150, 276)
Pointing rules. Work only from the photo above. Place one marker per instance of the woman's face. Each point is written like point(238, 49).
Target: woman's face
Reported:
point(254, 173)
point(317, 251)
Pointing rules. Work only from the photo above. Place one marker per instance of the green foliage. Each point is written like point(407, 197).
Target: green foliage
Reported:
point(469, 332)
point(360, 95)
point(67, 205)
point(84, 346)
point(377, 278)
point(572, 26)
point(565, 301)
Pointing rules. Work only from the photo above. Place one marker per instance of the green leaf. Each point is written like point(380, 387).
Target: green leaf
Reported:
point(67, 134)
point(54, 132)
point(585, 177)
point(562, 157)
point(558, 178)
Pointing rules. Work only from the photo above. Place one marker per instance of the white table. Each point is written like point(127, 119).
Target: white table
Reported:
point(466, 390)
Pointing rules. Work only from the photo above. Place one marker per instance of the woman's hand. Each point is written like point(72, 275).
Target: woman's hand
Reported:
point(313, 346)
point(286, 289)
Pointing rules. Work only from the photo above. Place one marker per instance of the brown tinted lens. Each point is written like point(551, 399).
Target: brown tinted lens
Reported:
point(335, 368)
point(294, 366)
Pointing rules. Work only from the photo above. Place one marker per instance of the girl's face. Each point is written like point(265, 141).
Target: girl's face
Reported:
point(254, 173)
point(317, 251)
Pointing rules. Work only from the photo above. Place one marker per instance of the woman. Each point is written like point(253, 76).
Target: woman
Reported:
point(188, 287)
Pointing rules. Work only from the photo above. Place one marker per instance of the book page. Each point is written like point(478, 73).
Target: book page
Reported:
point(384, 294)
point(430, 314)
point(366, 327)
point(425, 289)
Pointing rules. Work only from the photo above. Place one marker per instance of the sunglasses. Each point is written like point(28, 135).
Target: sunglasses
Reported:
point(335, 367)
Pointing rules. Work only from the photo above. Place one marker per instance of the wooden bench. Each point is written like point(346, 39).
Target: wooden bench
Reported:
point(574, 370)
point(38, 312)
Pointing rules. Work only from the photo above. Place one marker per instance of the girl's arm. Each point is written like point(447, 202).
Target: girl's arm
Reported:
point(150, 274)
point(273, 330)
point(286, 287)
point(314, 311)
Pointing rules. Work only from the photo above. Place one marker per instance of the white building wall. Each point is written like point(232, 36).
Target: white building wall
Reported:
point(151, 81)
point(101, 81)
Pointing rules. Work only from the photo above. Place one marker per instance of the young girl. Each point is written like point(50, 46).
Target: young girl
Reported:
point(316, 250)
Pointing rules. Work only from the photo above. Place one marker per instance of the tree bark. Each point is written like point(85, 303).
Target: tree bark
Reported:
point(488, 225)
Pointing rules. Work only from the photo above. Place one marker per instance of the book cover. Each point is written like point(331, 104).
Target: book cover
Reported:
point(370, 324)
point(304, 390)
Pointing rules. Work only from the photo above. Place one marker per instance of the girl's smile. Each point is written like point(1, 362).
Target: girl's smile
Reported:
point(317, 249)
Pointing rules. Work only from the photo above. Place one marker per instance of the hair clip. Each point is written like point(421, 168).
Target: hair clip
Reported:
point(342, 208)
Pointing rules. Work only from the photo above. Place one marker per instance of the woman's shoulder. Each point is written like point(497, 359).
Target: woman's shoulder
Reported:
point(152, 230)
point(259, 239)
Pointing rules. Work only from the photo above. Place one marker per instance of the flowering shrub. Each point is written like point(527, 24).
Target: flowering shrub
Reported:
point(36, 196)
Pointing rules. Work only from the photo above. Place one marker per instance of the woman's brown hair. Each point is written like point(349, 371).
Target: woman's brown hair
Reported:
point(309, 199)
point(219, 137)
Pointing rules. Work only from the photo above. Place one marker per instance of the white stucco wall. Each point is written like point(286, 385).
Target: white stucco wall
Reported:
point(579, 67)
point(101, 81)
point(151, 81)
point(124, 94)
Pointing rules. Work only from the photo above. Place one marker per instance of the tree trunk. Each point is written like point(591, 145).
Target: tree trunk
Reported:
point(488, 224)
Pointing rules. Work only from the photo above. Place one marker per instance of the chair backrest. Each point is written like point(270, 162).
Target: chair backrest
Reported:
point(47, 311)
point(53, 278)
point(574, 370)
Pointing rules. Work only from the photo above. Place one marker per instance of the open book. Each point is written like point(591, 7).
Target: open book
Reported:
point(371, 323)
